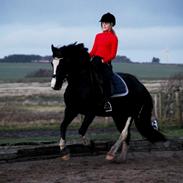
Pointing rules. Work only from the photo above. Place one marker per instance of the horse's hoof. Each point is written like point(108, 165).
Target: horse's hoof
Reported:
point(109, 157)
point(120, 160)
point(66, 157)
point(166, 144)
point(86, 141)
point(65, 154)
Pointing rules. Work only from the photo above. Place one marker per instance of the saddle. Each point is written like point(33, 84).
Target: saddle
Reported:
point(119, 87)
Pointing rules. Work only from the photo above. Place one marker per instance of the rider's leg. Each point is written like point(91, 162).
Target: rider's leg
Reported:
point(97, 84)
point(107, 74)
point(104, 74)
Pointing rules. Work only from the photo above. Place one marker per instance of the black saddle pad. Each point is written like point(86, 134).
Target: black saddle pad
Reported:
point(119, 87)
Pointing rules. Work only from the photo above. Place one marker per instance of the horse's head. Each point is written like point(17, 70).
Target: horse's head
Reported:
point(66, 61)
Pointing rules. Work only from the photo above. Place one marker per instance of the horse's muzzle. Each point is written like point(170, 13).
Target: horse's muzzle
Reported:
point(53, 82)
point(55, 85)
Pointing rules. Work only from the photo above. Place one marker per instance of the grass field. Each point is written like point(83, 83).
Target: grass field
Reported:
point(149, 71)
point(17, 71)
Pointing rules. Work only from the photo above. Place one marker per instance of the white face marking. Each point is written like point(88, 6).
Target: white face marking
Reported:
point(55, 63)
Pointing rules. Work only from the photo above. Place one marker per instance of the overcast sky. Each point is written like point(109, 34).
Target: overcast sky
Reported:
point(145, 28)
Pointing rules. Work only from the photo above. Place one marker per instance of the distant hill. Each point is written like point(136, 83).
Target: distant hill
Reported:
point(20, 58)
point(122, 59)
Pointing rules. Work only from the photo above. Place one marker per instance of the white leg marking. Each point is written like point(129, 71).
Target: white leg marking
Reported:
point(122, 138)
point(62, 144)
point(125, 130)
point(86, 141)
point(124, 151)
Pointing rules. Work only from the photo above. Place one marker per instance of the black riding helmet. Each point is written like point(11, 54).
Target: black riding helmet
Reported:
point(108, 17)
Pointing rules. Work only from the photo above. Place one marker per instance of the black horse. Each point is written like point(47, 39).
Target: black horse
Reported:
point(73, 63)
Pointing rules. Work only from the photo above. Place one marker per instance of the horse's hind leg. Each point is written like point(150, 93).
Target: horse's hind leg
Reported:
point(122, 140)
point(124, 152)
point(125, 145)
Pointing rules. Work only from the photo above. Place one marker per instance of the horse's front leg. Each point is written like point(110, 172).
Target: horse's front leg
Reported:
point(88, 118)
point(68, 117)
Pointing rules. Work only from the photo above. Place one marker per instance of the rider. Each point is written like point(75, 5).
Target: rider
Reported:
point(102, 53)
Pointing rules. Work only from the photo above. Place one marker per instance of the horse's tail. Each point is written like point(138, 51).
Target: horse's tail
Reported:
point(143, 122)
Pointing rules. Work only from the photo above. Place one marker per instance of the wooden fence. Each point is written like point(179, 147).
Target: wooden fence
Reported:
point(168, 107)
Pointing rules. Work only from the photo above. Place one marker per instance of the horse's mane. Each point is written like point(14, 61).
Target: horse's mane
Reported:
point(75, 49)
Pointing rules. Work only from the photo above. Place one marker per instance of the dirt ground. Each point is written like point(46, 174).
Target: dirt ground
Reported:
point(141, 167)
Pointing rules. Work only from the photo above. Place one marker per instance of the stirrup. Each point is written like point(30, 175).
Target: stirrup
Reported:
point(108, 107)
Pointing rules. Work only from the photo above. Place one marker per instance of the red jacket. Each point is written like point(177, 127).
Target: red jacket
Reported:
point(105, 46)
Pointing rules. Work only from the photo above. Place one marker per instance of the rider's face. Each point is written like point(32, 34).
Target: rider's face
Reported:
point(106, 26)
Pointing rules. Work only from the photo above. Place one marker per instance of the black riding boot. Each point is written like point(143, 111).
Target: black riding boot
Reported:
point(107, 73)
point(107, 94)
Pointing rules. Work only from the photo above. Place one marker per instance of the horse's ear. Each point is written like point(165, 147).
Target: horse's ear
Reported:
point(52, 48)
point(81, 45)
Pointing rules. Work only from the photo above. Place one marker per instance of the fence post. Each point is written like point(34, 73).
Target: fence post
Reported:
point(156, 105)
point(178, 112)
point(160, 105)
point(106, 120)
